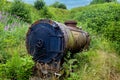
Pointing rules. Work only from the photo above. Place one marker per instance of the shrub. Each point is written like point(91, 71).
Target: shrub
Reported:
point(16, 68)
point(45, 13)
point(112, 34)
point(63, 6)
point(59, 5)
point(39, 4)
point(19, 8)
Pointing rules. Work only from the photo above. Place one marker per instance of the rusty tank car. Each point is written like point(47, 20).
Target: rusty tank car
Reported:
point(49, 41)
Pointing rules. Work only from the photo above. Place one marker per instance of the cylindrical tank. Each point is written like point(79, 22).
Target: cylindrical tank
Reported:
point(48, 41)
point(75, 38)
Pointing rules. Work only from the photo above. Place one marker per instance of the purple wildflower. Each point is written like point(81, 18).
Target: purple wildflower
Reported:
point(15, 24)
point(0, 16)
point(6, 28)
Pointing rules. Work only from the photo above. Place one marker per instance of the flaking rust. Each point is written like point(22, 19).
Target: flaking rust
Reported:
point(49, 41)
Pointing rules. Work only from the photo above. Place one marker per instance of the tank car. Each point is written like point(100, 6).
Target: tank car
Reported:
point(49, 41)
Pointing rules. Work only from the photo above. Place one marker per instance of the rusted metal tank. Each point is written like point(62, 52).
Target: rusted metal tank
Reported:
point(76, 39)
point(48, 41)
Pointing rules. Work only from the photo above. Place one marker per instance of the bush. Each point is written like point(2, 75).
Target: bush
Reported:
point(39, 4)
point(112, 34)
point(63, 6)
point(16, 68)
point(19, 8)
point(59, 5)
point(45, 13)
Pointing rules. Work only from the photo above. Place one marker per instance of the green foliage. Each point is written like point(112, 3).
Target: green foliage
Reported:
point(3, 54)
point(69, 64)
point(12, 37)
point(94, 12)
point(19, 8)
point(45, 13)
point(9, 38)
point(59, 5)
point(12, 32)
point(60, 15)
point(2, 4)
point(63, 6)
point(102, 1)
point(34, 13)
point(112, 34)
point(100, 21)
point(17, 68)
point(39, 4)
point(96, 17)
point(94, 64)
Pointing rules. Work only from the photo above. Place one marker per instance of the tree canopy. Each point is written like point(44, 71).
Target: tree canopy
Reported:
point(39, 4)
point(59, 5)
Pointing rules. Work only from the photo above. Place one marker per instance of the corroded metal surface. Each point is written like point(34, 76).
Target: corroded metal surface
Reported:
point(73, 39)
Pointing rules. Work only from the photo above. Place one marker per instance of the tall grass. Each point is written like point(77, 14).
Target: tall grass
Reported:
point(99, 63)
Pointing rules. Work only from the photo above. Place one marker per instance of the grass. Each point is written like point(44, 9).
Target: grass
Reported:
point(100, 62)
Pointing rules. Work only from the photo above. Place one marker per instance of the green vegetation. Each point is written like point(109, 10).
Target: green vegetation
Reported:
point(18, 8)
point(17, 68)
point(102, 18)
point(14, 62)
point(39, 4)
point(102, 1)
point(102, 21)
point(59, 5)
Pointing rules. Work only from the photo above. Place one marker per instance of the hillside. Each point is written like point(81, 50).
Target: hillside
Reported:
point(100, 62)
point(104, 19)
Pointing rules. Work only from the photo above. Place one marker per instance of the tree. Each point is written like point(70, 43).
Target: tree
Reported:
point(101, 1)
point(63, 6)
point(59, 5)
point(39, 4)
